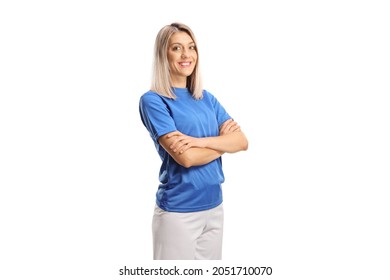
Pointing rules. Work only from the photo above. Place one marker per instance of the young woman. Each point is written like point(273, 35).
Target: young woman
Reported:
point(191, 131)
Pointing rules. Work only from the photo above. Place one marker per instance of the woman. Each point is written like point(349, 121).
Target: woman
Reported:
point(191, 131)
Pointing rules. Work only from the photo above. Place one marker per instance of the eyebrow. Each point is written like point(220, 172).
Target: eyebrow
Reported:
point(176, 43)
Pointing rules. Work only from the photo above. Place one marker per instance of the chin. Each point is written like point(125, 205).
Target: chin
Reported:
point(188, 73)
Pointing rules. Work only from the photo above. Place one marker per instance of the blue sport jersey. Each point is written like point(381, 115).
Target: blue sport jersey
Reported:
point(185, 189)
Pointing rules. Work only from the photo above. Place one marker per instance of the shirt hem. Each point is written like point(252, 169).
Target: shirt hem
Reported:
point(186, 210)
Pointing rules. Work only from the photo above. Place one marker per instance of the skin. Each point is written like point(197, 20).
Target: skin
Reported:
point(182, 58)
point(187, 150)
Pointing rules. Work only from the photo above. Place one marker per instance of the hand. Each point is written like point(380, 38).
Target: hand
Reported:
point(183, 142)
point(228, 127)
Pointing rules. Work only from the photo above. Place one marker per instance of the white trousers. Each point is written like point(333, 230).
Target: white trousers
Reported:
point(188, 236)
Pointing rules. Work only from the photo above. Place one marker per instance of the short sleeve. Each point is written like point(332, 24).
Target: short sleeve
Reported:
point(220, 112)
point(155, 115)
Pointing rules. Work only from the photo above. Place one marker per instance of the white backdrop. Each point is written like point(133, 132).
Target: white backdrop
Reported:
point(307, 80)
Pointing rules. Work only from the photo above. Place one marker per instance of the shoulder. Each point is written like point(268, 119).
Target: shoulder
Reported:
point(151, 97)
point(206, 92)
point(207, 95)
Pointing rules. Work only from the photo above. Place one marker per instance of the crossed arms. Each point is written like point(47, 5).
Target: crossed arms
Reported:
point(191, 151)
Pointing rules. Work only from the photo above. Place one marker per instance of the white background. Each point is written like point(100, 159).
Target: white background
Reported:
point(307, 80)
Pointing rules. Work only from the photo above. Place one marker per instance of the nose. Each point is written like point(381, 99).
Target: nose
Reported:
point(184, 53)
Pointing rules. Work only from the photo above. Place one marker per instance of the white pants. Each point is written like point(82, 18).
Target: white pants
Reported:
point(187, 236)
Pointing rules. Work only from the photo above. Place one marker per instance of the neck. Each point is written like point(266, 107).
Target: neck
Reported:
point(179, 82)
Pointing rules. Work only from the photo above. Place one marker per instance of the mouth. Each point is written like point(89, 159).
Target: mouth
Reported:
point(185, 64)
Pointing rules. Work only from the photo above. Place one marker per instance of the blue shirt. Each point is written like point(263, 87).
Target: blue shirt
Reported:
point(185, 189)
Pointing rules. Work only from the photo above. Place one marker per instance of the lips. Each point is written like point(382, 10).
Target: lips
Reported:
point(185, 63)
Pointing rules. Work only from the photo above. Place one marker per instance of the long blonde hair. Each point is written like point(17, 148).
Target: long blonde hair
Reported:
point(161, 81)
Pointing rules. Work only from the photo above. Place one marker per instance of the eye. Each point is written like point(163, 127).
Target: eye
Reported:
point(192, 48)
point(176, 48)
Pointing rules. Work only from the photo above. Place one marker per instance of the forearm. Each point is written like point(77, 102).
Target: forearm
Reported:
point(191, 157)
point(196, 156)
point(229, 143)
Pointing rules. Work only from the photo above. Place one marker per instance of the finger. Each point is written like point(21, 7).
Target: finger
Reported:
point(230, 126)
point(224, 128)
point(224, 125)
point(175, 141)
point(173, 144)
point(180, 142)
point(235, 128)
point(179, 146)
point(174, 133)
point(185, 148)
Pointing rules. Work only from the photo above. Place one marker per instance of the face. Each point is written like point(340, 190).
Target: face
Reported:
point(182, 57)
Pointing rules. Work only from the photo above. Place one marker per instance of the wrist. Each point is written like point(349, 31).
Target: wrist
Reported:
point(204, 142)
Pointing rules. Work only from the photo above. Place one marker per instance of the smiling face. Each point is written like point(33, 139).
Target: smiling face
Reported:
point(182, 57)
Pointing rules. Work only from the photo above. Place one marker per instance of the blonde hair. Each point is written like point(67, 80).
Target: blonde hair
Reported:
point(161, 81)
